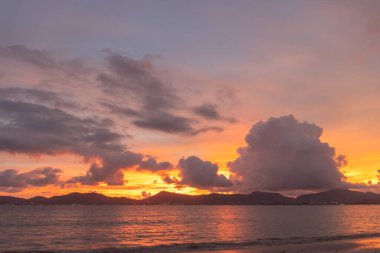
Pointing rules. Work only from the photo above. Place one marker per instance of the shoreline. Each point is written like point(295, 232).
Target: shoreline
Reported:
point(348, 245)
point(362, 245)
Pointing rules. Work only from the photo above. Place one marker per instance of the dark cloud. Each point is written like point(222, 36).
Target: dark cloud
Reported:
point(36, 129)
point(169, 123)
point(286, 154)
point(123, 111)
point(13, 181)
point(37, 96)
point(160, 121)
point(111, 170)
point(156, 99)
point(36, 121)
point(151, 164)
point(137, 80)
point(201, 174)
point(145, 194)
point(169, 180)
point(44, 60)
point(38, 58)
point(166, 122)
point(209, 111)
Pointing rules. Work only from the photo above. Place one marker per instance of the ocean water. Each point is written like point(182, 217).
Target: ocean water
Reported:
point(177, 228)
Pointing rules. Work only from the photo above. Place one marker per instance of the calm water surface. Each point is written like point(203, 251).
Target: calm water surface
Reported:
point(95, 227)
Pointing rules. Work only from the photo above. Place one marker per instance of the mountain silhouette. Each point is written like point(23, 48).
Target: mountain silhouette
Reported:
point(219, 199)
point(332, 197)
point(340, 196)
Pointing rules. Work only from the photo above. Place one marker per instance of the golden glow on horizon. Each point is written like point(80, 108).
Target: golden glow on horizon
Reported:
point(362, 164)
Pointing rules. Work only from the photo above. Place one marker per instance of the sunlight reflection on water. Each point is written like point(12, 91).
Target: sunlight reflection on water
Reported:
point(89, 227)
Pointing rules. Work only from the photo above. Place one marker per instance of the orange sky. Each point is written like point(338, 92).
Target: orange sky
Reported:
point(171, 85)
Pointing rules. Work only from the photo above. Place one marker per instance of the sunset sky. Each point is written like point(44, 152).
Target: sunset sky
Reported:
point(132, 98)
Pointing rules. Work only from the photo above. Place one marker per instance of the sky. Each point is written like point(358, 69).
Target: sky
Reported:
point(129, 98)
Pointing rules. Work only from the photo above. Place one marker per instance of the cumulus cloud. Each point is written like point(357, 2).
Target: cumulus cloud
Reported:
point(201, 174)
point(111, 169)
point(13, 181)
point(286, 154)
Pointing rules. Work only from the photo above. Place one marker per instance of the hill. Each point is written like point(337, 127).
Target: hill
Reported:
point(332, 197)
point(339, 196)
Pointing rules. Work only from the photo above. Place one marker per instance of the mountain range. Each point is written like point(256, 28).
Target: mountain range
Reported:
point(332, 197)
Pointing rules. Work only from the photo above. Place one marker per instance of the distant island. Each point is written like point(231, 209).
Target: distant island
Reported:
point(332, 197)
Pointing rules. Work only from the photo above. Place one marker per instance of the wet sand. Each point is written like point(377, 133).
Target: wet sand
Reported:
point(368, 245)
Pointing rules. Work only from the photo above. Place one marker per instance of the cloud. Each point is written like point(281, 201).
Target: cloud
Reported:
point(36, 129)
point(160, 121)
point(12, 181)
point(145, 194)
point(207, 129)
point(209, 111)
point(197, 173)
point(286, 154)
point(110, 170)
point(37, 96)
point(166, 122)
point(123, 111)
point(137, 80)
point(36, 121)
point(169, 123)
point(38, 58)
point(155, 103)
point(168, 180)
point(228, 95)
point(44, 60)
point(151, 164)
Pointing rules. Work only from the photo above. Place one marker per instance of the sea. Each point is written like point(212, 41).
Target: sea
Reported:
point(178, 228)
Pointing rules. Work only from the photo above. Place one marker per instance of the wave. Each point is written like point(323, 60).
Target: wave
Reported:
point(182, 247)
